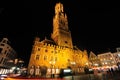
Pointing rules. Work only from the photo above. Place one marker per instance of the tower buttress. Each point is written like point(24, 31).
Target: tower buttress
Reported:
point(61, 34)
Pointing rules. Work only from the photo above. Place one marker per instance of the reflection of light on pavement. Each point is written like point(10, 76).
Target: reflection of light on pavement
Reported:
point(3, 76)
point(32, 79)
point(67, 78)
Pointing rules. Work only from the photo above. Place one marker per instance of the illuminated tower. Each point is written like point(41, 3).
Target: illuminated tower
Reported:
point(58, 53)
point(61, 34)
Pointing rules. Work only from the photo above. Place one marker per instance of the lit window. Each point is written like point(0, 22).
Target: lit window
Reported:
point(112, 61)
point(110, 58)
point(105, 62)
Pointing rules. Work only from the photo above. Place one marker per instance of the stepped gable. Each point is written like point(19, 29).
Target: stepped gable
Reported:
point(48, 41)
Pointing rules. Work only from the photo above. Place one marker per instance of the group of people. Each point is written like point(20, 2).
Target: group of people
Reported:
point(108, 71)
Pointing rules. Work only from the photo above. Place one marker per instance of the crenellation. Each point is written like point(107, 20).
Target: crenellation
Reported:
point(60, 47)
point(51, 45)
point(45, 44)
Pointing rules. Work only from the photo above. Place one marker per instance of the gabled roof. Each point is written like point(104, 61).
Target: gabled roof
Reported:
point(92, 55)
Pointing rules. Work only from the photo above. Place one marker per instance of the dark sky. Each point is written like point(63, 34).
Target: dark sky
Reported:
point(93, 26)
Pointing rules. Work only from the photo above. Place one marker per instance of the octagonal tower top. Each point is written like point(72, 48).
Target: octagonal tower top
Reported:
point(58, 8)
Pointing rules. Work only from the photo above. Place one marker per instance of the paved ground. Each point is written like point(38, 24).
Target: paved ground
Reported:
point(99, 76)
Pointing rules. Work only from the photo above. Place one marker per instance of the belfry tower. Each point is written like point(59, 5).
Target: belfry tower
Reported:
point(51, 56)
point(61, 34)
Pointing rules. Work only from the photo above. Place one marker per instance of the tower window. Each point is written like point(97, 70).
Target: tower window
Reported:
point(1, 50)
point(66, 42)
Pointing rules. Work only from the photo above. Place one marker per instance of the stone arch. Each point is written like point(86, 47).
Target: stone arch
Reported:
point(43, 71)
point(37, 71)
point(32, 71)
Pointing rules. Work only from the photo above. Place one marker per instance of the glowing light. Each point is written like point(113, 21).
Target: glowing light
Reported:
point(67, 70)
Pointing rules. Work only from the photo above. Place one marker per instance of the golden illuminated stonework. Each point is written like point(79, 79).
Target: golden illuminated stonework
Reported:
point(57, 52)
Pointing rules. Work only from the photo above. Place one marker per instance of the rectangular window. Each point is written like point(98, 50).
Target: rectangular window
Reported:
point(2, 44)
point(45, 57)
point(38, 49)
point(1, 60)
point(1, 50)
point(37, 57)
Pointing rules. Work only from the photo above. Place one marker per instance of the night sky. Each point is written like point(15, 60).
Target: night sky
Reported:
point(93, 26)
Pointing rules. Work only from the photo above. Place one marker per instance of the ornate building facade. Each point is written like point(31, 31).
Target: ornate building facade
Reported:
point(57, 52)
point(107, 59)
point(94, 61)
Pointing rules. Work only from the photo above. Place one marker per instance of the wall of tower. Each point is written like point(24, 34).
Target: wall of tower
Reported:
point(65, 39)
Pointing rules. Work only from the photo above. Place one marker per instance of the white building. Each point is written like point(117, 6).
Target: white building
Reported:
point(107, 59)
point(6, 53)
point(117, 56)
